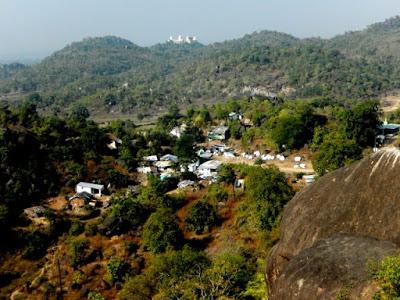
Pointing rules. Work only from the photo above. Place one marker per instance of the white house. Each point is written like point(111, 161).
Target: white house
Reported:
point(91, 188)
point(178, 131)
point(218, 133)
point(182, 39)
point(147, 170)
point(192, 167)
point(150, 158)
point(204, 154)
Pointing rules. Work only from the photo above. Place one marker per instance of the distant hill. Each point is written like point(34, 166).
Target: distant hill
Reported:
point(378, 41)
point(110, 74)
point(91, 57)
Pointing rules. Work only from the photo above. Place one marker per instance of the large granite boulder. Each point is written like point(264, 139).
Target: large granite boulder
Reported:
point(362, 199)
point(332, 267)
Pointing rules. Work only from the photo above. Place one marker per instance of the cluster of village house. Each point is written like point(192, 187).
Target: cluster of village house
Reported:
point(204, 166)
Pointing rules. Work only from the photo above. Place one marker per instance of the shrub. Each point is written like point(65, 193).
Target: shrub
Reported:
point(78, 251)
point(91, 228)
point(387, 272)
point(116, 269)
point(137, 288)
point(216, 193)
point(77, 279)
point(76, 228)
point(95, 296)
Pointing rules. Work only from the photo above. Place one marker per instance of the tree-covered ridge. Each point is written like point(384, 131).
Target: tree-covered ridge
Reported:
point(8, 70)
point(112, 74)
point(379, 40)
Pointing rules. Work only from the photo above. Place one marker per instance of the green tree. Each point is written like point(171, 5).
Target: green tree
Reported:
point(361, 121)
point(227, 174)
point(335, 152)
point(216, 193)
point(201, 216)
point(228, 275)
point(267, 193)
point(235, 130)
point(161, 231)
point(129, 211)
point(171, 275)
point(185, 148)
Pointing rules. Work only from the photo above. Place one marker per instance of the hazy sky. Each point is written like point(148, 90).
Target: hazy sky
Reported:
point(36, 27)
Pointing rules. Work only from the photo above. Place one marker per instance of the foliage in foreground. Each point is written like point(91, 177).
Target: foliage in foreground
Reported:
point(387, 273)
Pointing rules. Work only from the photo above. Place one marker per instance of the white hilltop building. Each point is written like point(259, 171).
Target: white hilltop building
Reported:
point(182, 39)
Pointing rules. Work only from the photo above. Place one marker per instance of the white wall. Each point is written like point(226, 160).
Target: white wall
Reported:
point(80, 189)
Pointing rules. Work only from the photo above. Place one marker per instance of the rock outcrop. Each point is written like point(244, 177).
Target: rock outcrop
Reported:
point(361, 201)
point(332, 267)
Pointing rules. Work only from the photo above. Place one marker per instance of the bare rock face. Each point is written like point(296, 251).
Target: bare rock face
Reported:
point(360, 200)
point(332, 267)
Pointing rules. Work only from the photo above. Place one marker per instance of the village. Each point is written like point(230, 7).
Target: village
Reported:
point(91, 199)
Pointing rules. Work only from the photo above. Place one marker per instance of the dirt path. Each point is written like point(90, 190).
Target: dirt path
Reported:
point(390, 103)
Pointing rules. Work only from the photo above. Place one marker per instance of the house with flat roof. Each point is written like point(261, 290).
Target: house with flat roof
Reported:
point(91, 188)
point(389, 129)
point(209, 169)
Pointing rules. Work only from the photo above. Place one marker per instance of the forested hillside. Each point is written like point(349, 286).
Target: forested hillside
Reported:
point(8, 70)
point(110, 74)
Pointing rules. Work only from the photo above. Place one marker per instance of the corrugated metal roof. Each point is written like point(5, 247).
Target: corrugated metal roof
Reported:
point(389, 126)
point(91, 185)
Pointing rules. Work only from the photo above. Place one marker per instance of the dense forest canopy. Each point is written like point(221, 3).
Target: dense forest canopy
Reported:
point(110, 74)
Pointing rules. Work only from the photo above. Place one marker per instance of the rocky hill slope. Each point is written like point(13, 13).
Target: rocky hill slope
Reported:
point(331, 229)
